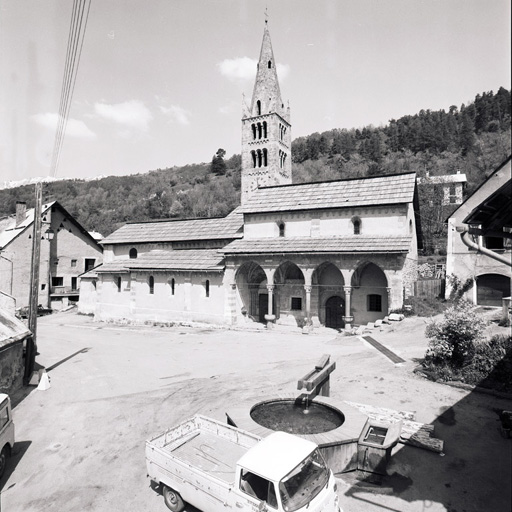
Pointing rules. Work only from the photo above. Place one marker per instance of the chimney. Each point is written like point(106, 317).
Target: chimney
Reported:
point(21, 212)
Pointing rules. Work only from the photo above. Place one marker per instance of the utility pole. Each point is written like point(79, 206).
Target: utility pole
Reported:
point(31, 347)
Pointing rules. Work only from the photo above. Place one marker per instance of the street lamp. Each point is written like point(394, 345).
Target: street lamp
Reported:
point(49, 234)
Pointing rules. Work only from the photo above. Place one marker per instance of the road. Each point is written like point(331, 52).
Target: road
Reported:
point(80, 444)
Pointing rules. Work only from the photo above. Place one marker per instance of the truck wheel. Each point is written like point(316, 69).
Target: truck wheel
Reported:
point(4, 455)
point(172, 499)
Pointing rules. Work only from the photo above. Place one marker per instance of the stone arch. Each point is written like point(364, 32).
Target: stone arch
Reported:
point(491, 288)
point(251, 281)
point(328, 281)
point(289, 294)
point(369, 293)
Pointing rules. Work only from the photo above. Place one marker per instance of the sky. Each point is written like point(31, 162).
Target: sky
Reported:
point(160, 82)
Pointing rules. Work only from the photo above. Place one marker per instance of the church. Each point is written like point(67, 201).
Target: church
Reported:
point(333, 253)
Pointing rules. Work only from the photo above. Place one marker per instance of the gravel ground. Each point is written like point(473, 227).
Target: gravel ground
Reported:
point(80, 444)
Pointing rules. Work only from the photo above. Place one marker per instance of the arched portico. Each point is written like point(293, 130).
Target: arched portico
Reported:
point(251, 282)
point(290, 294)
point(369, 293)
point(329, 295)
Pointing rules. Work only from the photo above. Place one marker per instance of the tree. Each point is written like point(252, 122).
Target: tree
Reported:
point(218, 166)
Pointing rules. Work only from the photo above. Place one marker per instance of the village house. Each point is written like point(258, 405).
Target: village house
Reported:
point(67, 250)
point(479, 244)
point(333, 253)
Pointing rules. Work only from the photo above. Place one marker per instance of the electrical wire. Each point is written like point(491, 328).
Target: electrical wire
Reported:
point(76, 38)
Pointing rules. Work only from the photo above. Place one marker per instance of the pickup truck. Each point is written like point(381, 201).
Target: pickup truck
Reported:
point(216, 467)
point(6, 431)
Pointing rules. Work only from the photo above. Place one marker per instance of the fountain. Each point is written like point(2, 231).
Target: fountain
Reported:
point(333, 425)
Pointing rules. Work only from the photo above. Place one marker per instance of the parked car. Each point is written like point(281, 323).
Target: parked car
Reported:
point(6, 432)
point(41, 311)
point(216, 467)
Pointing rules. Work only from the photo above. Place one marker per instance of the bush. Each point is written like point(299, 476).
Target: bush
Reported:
point(424, 306)
point(458, 287)
point(452, 340)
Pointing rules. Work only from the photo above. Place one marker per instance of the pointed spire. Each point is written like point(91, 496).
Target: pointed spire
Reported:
point(266, 96)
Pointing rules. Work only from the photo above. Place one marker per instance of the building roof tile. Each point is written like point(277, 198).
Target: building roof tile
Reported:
point(197, 259)
point(228, 227)
point(339, 244)
point(380, 190)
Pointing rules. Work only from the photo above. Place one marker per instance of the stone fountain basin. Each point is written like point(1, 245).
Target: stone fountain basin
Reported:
point(338, 446)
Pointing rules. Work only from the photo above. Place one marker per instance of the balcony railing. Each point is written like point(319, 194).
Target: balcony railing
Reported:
point(64, 290)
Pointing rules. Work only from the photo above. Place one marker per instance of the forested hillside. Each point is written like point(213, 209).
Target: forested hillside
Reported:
point(473, 139)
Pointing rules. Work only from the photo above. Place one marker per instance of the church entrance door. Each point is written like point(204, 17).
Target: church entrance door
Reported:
point(334, 312)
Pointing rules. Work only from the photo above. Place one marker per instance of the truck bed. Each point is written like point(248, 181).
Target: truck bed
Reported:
point(207, 445)
point(212, 454)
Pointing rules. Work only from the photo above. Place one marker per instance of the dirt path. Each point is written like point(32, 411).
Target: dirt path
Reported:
point(81, 443)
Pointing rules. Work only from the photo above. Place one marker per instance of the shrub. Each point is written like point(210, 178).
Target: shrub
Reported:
point(452, 339)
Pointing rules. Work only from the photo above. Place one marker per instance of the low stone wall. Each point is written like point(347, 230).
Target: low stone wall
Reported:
point(11, 368)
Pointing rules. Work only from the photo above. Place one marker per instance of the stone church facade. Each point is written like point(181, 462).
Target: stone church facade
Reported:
point(332, 253)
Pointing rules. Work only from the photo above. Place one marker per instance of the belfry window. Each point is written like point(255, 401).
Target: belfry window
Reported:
point(253, 154)
point(265, 157)
point(133, 253)
point(269, 64)
point(259, 130)
point(118, 283)
point(264, 129)
point(258, 107)
point(207, 287)
point(173, 286)
point(281, 226)
point(253, 126)
point(151, 285)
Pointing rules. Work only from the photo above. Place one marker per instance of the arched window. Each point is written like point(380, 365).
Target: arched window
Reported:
point(281, 226)
point(118, 282)
point(133, 253)
point(265, 157)
point(253, 126)
point(258, 107)
point(253, 153)
point(410, 226)
point(264, 129)
point(151, 285)
point(259, 157)
point(269, 64)
point(207, 287)
point(356, 221)
point(173, 286)
point(259, 131)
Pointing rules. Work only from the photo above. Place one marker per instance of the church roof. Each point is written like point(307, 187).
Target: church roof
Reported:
point(379, 190)
point(179, 230)
point(197, 259)
point(338, 244)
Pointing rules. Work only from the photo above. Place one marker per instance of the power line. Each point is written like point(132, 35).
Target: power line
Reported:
point(78, 26)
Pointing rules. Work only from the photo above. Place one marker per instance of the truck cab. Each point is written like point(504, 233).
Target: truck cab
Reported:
point(285, 473)
point(6, 431)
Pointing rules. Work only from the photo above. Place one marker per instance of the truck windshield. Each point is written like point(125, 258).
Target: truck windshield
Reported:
point(302, 484)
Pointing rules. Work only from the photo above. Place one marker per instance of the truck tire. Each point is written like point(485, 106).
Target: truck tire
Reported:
point(172, 499)
point(4, 456)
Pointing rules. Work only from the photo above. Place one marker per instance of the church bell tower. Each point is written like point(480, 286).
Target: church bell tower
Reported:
point(266, 129)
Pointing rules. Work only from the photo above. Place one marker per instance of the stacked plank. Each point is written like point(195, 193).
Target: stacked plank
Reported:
point(413, 433)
